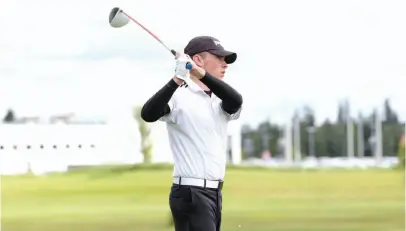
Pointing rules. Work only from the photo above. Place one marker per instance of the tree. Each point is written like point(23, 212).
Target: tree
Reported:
point(307, 120)
point(248, 148)
point(391, 133)
point(10, 117)
point(329, 140)
point(269, 134)
point(145, 131)
point(342, 113)
point(367, 128)
point(256, 140)
point(390, 115)
point(309, 116)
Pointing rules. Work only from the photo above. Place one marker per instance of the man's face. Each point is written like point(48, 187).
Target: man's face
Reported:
point(213, 64)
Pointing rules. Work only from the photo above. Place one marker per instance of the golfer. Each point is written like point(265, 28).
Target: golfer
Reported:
point(197, 106)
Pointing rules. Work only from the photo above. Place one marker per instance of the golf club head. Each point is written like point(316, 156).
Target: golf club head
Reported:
point(117, 19)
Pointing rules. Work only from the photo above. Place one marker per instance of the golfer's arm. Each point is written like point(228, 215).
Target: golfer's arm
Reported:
point(231, 99)
point(157, 106)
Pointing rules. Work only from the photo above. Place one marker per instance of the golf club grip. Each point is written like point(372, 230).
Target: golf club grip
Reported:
point(188, 65)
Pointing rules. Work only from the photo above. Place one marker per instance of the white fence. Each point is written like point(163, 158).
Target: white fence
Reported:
point(53, 148)
point(326, 162)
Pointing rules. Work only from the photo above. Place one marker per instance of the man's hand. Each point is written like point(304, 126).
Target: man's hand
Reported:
point(181, 73)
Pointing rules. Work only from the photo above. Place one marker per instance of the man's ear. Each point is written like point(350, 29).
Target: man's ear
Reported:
point(198, 60)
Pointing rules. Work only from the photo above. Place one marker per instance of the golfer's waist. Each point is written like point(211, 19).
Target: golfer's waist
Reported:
point(205, 183)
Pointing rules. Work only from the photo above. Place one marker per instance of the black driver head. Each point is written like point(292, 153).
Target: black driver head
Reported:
point(113, 13)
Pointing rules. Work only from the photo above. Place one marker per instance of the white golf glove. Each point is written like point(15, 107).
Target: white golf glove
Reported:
point(180, 71)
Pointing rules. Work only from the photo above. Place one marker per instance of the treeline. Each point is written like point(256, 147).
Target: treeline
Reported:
point(330, 137)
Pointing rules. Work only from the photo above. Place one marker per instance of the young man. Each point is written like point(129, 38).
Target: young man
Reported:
point(197, 106)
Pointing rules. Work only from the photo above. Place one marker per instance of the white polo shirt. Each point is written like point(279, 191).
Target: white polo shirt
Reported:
point(197, 129)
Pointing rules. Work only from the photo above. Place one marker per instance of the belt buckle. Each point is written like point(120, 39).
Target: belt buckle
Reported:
point(220, 186)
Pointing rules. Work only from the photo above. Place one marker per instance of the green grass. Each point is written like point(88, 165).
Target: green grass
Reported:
point(256, 199)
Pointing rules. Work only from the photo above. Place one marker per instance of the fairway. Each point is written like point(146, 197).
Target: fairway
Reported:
point(256, 199)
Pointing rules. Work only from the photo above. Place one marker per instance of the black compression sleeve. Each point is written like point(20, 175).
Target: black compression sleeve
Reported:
point(157, 106)
point(231, 99)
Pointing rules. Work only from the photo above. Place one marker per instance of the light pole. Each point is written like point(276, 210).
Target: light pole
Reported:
point(360, 138)
point(312, 143)
point(296, 139)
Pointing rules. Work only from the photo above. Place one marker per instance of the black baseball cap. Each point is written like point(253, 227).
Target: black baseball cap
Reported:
point(212, 45)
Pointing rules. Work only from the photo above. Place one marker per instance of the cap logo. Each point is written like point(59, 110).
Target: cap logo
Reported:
point(216, 42)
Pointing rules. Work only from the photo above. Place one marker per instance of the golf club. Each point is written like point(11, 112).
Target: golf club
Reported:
point(118, 18)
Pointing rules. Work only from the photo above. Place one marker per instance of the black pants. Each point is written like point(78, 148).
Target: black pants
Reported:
point(195, 208)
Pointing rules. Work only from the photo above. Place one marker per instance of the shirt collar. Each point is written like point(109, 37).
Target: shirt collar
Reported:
point(193, 86)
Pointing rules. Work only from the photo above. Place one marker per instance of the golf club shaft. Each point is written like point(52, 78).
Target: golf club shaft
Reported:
point(152, 34)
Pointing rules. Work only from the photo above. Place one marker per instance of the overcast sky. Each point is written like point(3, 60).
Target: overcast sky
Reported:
point(62, 56)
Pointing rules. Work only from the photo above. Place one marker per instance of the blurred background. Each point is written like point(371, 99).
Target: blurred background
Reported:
point(320, 144)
